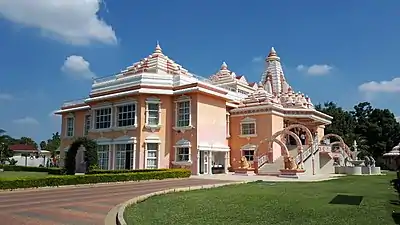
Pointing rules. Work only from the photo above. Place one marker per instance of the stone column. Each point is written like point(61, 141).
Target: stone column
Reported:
point(198, 162)
point(226, 162)
point(210, 162)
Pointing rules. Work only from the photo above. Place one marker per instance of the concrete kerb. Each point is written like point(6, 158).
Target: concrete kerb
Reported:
point(116, 214)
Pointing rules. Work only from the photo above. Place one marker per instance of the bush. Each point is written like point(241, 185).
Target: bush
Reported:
point(97, 171)
point(90, 154)
point(91, 179)
point(50, 170)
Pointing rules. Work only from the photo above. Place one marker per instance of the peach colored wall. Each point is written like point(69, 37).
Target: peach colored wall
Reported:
point(190, 135)
point(321, 132)
point(276, 125)
point(266, 126)
point(211, 120)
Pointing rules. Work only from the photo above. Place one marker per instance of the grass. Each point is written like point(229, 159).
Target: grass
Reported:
point(273, 203)
point(20, 174)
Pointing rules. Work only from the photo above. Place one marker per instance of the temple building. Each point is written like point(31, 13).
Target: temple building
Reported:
point(157, 114)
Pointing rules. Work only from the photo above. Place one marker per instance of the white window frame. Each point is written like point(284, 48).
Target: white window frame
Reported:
point(247, 121)
point(108, 154)
point(182, 144)
point(94, 117)
point(248, 147)
point(177, 102)
point(153, 101)
point(228, 125)
point(116, 117)
point(86, 131)
point(69, 117)
point(133, 158)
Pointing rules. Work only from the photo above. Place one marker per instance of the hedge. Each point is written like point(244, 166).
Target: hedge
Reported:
point(91, 179)
point(49, 170)
point(124, 171)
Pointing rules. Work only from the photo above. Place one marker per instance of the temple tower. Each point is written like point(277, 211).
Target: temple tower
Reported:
point(273, 78)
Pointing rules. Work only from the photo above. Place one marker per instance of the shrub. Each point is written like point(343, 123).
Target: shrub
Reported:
point(50, 170)
point(91, 179)
point(90, 154)
point(97, 171)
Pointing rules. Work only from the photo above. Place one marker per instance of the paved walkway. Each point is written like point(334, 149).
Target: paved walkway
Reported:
point(303, 178)
point(79, 205)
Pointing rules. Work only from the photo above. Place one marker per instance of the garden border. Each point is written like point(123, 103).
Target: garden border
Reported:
point(116, 214)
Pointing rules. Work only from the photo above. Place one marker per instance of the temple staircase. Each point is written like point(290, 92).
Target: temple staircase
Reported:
point(273, 169)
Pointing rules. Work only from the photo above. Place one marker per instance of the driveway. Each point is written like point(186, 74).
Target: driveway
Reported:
point(78, 205)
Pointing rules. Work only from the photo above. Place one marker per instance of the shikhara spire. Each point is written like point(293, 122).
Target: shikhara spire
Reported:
point(273, 78)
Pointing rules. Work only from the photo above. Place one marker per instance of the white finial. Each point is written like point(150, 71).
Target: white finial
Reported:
point(273, 50)
point(158, 48)
point(224, 66)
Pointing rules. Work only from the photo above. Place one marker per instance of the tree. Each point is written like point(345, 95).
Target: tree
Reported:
point(28, 141)
point(43, 145)
point(90, 154)
point(5, 153)
point(53, 144)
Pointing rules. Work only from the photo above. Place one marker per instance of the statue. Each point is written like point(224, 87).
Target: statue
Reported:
point(367, 161)
point(244, 164)
point(289, 163)
point(346, 160)
point(372, 162)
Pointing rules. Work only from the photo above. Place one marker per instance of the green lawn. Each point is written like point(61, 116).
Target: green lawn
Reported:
point(273, 203)
point(20, 174)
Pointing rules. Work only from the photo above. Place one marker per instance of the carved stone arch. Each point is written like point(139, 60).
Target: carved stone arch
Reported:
point(293, 135)
point(336, 136)
point(304, 128)
point(270, 142)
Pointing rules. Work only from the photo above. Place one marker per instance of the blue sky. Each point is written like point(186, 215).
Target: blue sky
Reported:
point(337, 51)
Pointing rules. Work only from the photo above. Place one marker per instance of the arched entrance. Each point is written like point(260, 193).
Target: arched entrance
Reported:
point(270, 141)
point(335, 136)
point(291, 134)
point(307, 131)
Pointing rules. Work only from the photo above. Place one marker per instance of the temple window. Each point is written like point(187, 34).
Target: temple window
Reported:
point(248, 127)
point(182, 151)
point(153, 111)
point(103, 118)
point(70, 126)
point(87, 124)
point(249, 154)
point(126, 115)
point(183, 112)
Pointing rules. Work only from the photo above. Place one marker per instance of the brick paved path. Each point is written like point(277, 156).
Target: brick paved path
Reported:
point(85, 205)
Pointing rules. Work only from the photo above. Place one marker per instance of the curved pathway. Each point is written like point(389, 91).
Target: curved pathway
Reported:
point(78, 205)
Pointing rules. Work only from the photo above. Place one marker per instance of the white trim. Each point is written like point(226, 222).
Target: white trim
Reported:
point(152, 139)
point(84, 124)
point(153, 101)
point(73, 109)
point(179, 100)
point(124, 140)
point(248, 120)
point(157, 154)
point(248, 147)
point(116, 115)
point(70, 116)
point(213, 147)
point(183, 143)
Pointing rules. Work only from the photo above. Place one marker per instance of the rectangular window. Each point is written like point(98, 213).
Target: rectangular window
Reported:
point(153, 114)
point(70, 127)
point(248, 128)
point(87, 124)
point(126, 115)
point(124, 156)
point(103, 118)
point(152, 155)
point(182, 154)
point(103, 156)
point(249, 154)
point(183, 114)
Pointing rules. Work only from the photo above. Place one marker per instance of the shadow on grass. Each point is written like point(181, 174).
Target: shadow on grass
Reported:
point(396, 218)
point(346, 200)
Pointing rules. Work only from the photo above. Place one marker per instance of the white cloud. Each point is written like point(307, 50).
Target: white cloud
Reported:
point(315, 69)
point(26, 121)
point(6, 97)
point(77, 67)
point(257, 59)
point(73, 21)
point(391, 86)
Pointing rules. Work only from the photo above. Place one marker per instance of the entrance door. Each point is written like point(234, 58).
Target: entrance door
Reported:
point(203, 162)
